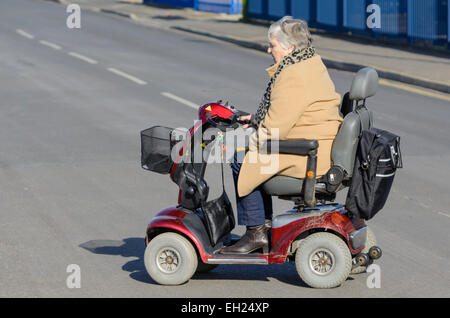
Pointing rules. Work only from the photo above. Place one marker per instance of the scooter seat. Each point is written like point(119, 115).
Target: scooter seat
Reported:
point(287, 186)
point(283, 185)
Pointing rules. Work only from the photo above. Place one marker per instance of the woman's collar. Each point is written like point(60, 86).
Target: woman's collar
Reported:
point(297, 55)
point(272, 69)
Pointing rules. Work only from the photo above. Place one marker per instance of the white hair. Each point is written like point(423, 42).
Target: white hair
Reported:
point(291, 32)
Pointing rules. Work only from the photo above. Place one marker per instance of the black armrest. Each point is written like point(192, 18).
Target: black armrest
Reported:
point(301, 147)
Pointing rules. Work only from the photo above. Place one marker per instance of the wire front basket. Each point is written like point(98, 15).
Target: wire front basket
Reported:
point(156, 148)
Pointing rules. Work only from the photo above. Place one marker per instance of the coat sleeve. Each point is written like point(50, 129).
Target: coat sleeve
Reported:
point(288, 102)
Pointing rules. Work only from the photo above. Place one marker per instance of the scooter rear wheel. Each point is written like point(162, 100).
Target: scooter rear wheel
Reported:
point(170, 259)
point(323, 260)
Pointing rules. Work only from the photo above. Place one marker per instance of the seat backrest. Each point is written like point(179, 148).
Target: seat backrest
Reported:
point(364, 85)
point(343, 153)
point(345, 144)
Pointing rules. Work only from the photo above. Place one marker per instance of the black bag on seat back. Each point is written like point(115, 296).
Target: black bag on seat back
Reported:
point(377, 159)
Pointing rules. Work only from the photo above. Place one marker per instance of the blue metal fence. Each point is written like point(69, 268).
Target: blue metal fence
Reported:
point(393, 17)
point(409, 21)
point(354, 14)
point(327, 12)
point(225, 6)
point(427, 21)
point(301, 9)
point(277, 8)
point(175, 3)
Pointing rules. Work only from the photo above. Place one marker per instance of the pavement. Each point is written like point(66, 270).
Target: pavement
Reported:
point(408, 65)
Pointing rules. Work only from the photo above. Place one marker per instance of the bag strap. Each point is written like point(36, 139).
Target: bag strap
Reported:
point(220, 139)
point(363, 118)
point(396, 155)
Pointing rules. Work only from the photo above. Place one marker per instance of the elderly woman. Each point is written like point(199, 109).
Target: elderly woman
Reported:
point(300, 102)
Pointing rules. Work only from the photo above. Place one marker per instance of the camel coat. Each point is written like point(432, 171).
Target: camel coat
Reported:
point(304, 105)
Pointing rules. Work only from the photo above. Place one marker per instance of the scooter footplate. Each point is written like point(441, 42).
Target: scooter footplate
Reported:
point(253, 258)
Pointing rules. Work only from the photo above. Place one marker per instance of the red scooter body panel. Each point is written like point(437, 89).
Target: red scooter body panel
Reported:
point(171, 218)
point(283, 237)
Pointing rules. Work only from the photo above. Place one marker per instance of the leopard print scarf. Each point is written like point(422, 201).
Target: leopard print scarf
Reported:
point(295, 57)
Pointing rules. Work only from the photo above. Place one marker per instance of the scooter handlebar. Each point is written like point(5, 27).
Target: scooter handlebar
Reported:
point(244, 122)
point(232, 122)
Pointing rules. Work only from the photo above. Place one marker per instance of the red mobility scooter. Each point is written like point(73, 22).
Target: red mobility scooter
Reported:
point(325, 241)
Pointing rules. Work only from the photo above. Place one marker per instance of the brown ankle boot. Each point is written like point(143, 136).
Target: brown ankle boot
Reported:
point(254, 238)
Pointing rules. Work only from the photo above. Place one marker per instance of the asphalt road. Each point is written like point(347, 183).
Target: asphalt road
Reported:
point(72, 104)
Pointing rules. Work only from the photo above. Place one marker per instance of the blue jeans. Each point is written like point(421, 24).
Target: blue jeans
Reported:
point(252, 209)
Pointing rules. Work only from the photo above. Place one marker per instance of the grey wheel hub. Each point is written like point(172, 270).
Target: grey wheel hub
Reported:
point(322, 261)
point(168, 260)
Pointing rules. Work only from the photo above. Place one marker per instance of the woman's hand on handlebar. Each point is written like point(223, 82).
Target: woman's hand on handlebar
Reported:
point(246, 121)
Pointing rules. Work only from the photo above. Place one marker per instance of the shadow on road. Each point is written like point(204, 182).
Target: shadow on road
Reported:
point(129, 247)
point(135, 247)
point(285, 273)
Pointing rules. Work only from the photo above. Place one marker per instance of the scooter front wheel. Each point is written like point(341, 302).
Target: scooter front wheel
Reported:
point(170, 259)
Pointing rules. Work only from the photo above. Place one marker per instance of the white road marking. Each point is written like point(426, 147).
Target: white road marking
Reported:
point(25, 34)
point(180, 100)
point(49, 44)
point(444, 214)
point(83, 58)
point(127, 76)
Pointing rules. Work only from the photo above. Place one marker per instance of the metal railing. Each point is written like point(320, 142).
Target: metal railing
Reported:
point(417, 22)
point(223, 6)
